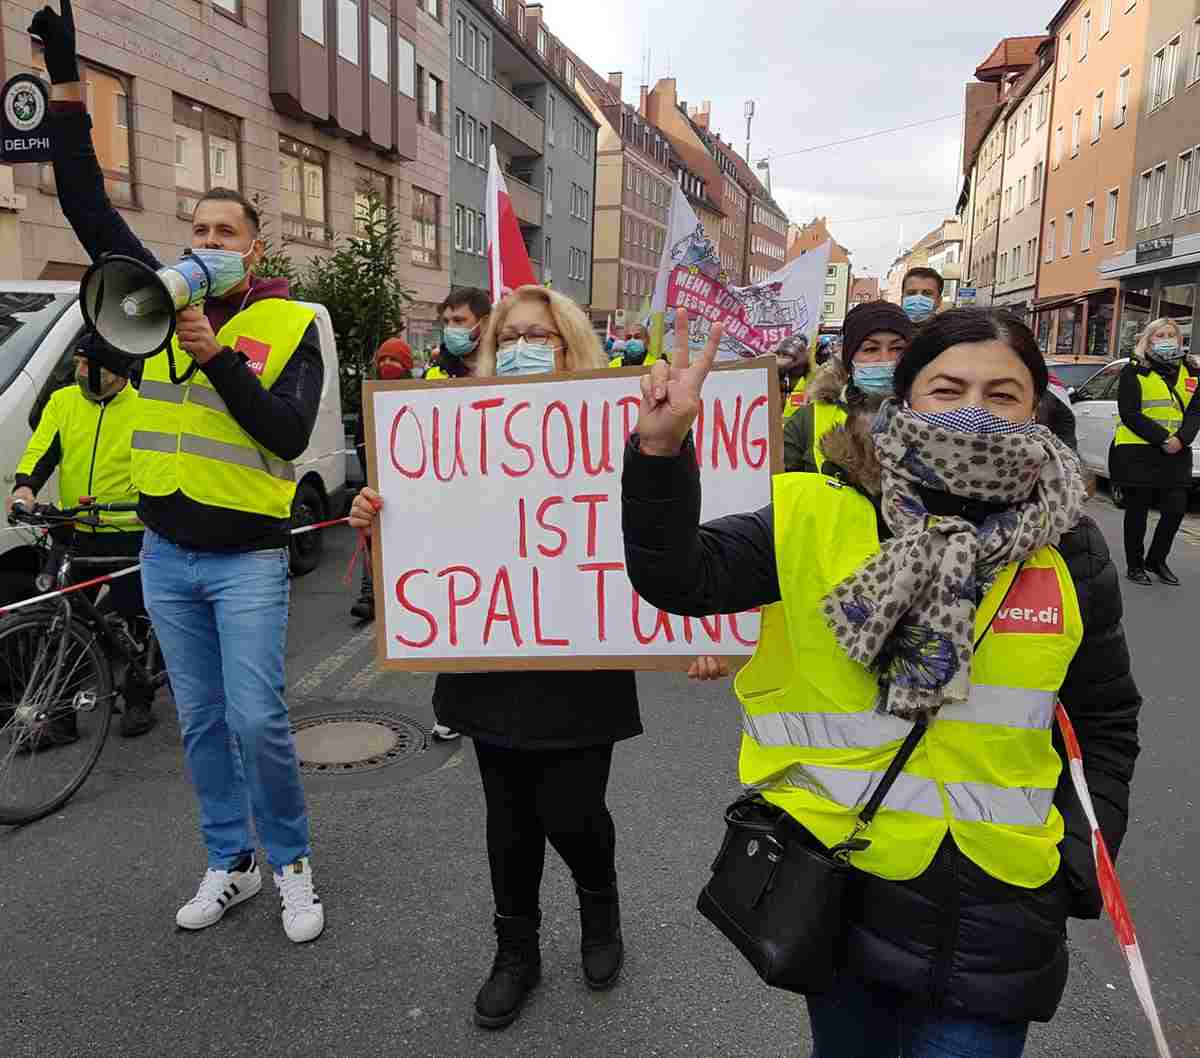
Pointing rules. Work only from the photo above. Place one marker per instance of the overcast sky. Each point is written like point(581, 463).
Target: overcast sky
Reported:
point(819, 71)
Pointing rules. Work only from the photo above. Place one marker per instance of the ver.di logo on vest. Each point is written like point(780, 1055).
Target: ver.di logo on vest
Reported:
point(255, 352)
point(1033, 606)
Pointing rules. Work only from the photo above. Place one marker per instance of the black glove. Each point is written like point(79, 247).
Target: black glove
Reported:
point(57, 33)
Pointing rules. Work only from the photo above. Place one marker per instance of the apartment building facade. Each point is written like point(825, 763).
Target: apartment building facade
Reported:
point(197, 94)
point(804, 238)
point(1098, 105)
point(766, 227)
point(1158, 267)
point(513, 86)
point(1026, 121)
point(633, 197)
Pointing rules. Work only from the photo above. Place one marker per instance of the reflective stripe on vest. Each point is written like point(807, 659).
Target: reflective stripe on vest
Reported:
point(187, 440)
point(826, 416)
point(1158, 404)
point(815, 744)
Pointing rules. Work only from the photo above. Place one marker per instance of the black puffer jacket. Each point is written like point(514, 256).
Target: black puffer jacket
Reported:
point(955, 938)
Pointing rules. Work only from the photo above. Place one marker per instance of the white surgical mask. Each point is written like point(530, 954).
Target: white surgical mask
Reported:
point(525, 358)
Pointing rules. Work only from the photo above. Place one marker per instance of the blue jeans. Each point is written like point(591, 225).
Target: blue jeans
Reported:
point(859, 1020)
point(221, 620)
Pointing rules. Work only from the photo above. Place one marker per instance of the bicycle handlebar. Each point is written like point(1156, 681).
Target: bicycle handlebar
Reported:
point(44, 513)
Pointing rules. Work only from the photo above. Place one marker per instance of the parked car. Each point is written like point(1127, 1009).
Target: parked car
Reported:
point(40, 324)
point(1074, 371)
point(1096, 419)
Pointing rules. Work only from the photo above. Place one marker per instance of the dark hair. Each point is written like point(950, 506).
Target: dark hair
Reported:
point(959, 326)
point(924, 273)
point(478, 301)
point(227, 194)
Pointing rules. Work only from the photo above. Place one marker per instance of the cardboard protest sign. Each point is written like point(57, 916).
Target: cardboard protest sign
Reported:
point(499, 544)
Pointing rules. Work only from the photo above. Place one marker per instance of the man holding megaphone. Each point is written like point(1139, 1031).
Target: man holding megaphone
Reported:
point(223, 409)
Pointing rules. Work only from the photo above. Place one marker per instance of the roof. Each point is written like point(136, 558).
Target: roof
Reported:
point(1009, 54)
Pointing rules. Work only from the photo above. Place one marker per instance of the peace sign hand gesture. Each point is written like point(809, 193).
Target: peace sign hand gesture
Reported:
point(57, 34)
point(671, 392)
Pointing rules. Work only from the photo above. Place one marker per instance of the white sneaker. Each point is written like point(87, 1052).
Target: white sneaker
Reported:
point(301, 910)
point(218, 892)
point(444, 734)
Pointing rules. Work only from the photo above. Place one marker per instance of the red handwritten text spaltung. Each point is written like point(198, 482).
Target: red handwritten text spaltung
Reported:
point(474, 609)
point(561, 439)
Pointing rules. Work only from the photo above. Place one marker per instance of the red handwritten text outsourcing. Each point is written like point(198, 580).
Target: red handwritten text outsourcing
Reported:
point(562, 438)
point(499, 610)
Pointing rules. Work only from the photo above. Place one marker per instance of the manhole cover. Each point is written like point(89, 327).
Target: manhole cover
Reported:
point(356, 741)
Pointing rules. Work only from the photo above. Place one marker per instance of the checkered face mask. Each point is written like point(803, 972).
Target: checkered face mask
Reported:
point(974, 419)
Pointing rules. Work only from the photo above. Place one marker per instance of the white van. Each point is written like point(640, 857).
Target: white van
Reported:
point(40, 323)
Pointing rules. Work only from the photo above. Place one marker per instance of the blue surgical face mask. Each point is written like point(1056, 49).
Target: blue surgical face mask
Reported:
point(635, 347)
point(227, 268)
point(917, 307)
point(1168, 350)
point(875, 378)
point(460, 341)
point(525, 358)
point(974, 419)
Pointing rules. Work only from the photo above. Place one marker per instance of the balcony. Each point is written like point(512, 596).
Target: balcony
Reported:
point(522, 126)
point(526, 200)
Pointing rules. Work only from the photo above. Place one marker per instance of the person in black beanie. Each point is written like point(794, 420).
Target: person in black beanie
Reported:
point(874, 336)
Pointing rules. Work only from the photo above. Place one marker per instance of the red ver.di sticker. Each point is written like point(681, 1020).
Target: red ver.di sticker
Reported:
point(254, 351)
point(1034, 605)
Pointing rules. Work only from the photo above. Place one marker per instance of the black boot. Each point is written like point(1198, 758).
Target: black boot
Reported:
point(364, 606)
point(138, 716)
point(515, 972)
point(600, 936)
point(1160, 569)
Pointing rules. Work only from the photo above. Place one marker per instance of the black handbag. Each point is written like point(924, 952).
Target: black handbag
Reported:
point(777, 893)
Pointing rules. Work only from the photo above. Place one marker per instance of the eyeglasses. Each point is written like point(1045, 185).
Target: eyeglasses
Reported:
point(531, 334)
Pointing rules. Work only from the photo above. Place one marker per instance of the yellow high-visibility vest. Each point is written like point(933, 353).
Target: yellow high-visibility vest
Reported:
point(435, 373)
point(985, 771)
point(794, 401)
point(186, 440)
point(826, 416)
point(1160, 402)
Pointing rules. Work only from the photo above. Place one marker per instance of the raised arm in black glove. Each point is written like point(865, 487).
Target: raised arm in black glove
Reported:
point(57, 34)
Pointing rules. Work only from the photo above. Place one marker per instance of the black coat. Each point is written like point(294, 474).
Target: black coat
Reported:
point(955, 938)
point(1148, 464)
point(540, 710)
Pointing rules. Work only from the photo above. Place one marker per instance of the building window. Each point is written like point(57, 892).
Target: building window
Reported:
point(460, 36)
point(1183, 184)
point(546, 269)
point(1058, 146)
point(543, 41)
point(1064, 66)
point(1039, 172)
point(348, 30)
point(460, 122)
point(1106, 17)
point(230, 7)
point(433, 8)
point(469, 231)
point(426, 211)
point(1076, 123)
point(1068, 232)
point(1085, 32)
point(405, 67)
point(1003, 274)
point(1122, 107)
point(433, 102)
point(1089, 223)
point(206, 153)
point(472, 43)
point(472, 135)
point(380, 68)
point(1156, 193)
point(481, 241)
point(1192, 201)
point(458, 227)
point(312, 20)
point(482, 144)
point(1049, 243)
point(483, 63)
point(551, 113)
point(1194, 75)
point(1030, 256)
point(369, 180)
point(1143, 207)
point(1110, 218)
point(1043, 106)
point(1162, 73)
point(302, 171)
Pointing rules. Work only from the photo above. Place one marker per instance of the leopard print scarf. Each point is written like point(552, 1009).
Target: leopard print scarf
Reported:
point(908, 614)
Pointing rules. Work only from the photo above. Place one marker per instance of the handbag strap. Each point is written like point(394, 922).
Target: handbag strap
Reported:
point(920, 725)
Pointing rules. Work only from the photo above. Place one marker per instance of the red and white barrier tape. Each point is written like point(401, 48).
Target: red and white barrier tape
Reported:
point(105, 578)
point(1110, 887)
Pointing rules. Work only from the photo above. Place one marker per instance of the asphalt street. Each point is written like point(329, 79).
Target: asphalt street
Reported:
point(91, 962)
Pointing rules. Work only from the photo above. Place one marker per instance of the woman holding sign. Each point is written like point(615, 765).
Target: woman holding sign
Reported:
point(927, 606)
point(543, 740)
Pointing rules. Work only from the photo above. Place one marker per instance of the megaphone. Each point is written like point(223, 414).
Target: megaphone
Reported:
point(132, 306)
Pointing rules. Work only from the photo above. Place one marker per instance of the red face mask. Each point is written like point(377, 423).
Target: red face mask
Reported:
point(390, 370)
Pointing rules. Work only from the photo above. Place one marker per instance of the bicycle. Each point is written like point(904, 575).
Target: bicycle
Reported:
point(59, 663)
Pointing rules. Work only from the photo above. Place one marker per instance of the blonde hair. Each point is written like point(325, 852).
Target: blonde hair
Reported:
point(581, 346)
point(1142, 348)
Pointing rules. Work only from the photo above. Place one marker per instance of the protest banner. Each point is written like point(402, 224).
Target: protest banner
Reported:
point(757, 318)
point(499, 544)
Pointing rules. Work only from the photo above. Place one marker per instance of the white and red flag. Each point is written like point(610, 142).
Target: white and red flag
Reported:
point(508, 260)
point(1110, 888)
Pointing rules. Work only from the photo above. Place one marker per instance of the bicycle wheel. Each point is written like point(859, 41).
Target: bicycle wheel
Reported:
point(55, 707)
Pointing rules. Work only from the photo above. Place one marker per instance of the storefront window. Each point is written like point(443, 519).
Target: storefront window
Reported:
point(1135, 314)
point(1098, 329)
point(1177, 301)
point(1043, 330)
point(1068, 322)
